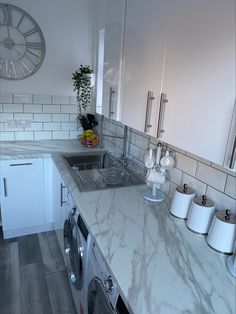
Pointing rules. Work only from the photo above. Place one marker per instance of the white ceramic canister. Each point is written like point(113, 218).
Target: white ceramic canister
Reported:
point(222, 232)
point(181, 201)
point(200, 215)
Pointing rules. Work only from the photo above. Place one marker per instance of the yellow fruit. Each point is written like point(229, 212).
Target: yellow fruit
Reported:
point(88, 132)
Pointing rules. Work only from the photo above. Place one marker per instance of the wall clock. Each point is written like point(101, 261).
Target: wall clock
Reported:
point(22, 45)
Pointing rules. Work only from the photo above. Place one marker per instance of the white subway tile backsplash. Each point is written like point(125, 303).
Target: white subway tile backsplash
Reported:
point(211, 176)
point(73, 100)
point(23, 98)
point(175, 176)
point(23, 116)
point(222, 200)
point(2, 127)
point(58, 99)
point(11, 125)
point(198, 186)
point(12, 108)
point(5, 98)
point(7, 136)
point(42, 117)
point(73, 118)
point(24, 136)
point(74, 134)
point(6, 116)
point(186, 164)
point(223, 169)
point(70, 126)
point(1, 108)
point(69, 109)
point(134, 151)
point(64, 135)
point(36, 126)
point(42, 135)
point(230, 188)
point(205, 161)
point(53, 126)
point(172, 189)
point(51, 108)
point(60, 117)
point(141, 141)
point(33, 108)
point(42, 99)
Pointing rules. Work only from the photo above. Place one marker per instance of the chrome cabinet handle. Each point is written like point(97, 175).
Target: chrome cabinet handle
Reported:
point(150, 98)
point(111, 92)
point(62, 201)
point(5, 186)
point(163, 102)
point(233, 155)
point(24, 164)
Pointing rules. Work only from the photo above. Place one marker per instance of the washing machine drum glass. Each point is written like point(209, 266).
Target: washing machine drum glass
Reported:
point(72, 246)
point(98, 302)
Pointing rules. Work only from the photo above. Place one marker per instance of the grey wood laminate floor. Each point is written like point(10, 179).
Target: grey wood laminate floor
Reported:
point(33, 278)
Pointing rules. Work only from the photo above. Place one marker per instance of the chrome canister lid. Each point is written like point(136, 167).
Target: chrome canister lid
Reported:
point(203, 201)
point(185, 189)
point(226, 216)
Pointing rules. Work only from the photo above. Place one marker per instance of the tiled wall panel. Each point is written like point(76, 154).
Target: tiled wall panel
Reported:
point(205, 177)
point(44, 117)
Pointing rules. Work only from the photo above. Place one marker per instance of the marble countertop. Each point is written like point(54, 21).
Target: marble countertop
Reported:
point(41, 148)
point(159, 265)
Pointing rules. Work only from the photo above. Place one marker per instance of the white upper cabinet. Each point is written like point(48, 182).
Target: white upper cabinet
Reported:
point(144, 50)
point(109, 34)
point(186, 50)
point(199, 76)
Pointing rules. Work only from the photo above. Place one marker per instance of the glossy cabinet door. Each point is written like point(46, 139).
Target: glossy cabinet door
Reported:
point(144, 50)
point(22, 195)
point(109, 45)
point(199, 76)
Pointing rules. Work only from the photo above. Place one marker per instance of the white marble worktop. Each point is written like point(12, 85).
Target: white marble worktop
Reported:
point(159, 265)
point(41, 148)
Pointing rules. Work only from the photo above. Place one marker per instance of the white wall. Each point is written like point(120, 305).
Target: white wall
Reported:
point(66, 28)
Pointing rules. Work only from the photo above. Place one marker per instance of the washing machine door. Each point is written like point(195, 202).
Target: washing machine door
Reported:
point(98, 302)
point(74, 249)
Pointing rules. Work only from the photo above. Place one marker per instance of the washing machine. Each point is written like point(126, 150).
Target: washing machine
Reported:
point(102, 293)
point(76, 242)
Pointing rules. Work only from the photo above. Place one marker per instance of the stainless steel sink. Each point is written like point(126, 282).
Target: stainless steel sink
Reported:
point(100, 171)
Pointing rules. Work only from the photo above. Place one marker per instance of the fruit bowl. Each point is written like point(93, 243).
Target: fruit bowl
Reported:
point(89, 138)
point(89, 143)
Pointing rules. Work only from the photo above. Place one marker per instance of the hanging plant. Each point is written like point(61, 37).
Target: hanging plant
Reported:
point(82, 86)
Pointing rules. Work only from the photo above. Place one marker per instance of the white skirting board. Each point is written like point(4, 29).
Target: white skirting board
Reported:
point(28, 230)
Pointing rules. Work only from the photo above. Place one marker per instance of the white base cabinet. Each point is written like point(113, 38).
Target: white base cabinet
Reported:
point(25, 207)
point(60, 200)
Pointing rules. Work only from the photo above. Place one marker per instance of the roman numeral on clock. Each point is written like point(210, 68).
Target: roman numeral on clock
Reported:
point(30, 32)
point(7, 16)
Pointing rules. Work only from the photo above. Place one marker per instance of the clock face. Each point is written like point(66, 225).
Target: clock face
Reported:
point(22, 46)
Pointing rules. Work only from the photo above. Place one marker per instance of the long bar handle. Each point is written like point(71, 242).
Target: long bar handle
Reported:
point(5, 186)
point(24, 164)
point(111, 92)
point(150, 98)
point(62, 188)
point(163, 102)
point(233, 155)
